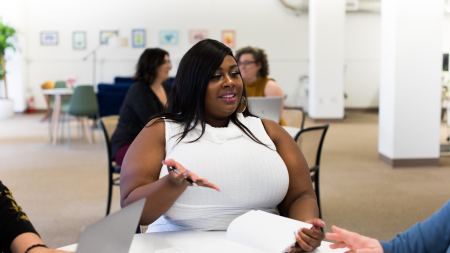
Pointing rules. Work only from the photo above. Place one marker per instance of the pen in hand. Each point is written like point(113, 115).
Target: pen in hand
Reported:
point(175, 170)
point(188, 176)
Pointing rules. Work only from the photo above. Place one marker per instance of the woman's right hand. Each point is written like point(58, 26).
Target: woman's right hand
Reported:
point(182, 176)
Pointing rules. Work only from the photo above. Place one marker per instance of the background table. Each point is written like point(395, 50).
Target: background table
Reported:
point(57, 93)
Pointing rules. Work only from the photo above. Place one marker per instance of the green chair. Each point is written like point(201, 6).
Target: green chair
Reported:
point(83, 106)
point(60, 84)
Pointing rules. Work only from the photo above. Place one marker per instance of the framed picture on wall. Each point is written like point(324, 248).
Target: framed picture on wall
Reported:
point(79, 40)
point(168, 37)
point(105, 35)
point(49, 38)
point(197, 35)
point(138, 38)
point(229, 38)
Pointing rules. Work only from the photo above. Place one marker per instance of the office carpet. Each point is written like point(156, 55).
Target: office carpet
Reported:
point(63, 187)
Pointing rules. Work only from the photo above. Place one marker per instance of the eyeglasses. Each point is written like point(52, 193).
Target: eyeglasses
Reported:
point(245, 63)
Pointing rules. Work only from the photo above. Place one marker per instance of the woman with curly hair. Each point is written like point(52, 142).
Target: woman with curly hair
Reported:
point(254, 69)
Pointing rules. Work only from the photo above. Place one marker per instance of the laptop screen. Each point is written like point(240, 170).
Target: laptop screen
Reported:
point(266, 107)
point(114, 233)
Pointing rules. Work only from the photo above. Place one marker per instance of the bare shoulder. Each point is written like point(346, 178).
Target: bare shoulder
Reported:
point(272, 82)
point(274, 130)
point(273, 89)
point(153, 129)
point(155, 121)
point(151, 137)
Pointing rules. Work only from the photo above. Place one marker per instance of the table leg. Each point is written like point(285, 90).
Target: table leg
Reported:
point(55, 119)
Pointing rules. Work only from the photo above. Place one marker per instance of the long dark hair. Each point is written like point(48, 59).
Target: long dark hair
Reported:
point(187, 99)
point(147, 66)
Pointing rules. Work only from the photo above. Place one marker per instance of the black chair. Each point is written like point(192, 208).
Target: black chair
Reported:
point(109, 125)
point(310, 141)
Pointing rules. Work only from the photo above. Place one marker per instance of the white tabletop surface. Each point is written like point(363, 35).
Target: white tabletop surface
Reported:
point(58, 91)
point(193, 242)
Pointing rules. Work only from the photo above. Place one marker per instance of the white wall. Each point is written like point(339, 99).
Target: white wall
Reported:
point(362, 59)
point(12, 14)
point(264, 29)
point(263, 23)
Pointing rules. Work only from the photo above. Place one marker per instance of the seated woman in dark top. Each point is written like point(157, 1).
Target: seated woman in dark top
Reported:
point(145, 98)
point(17, 234)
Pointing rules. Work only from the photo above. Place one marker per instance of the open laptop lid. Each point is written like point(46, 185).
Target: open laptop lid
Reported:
point(266, 107)
point(114, 233)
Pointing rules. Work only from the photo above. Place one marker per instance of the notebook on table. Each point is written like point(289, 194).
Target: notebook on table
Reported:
point(253, 232)
point(112, 234)
point(266, 107)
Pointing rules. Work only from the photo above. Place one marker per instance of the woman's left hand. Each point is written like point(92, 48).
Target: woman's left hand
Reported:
point(307, 239)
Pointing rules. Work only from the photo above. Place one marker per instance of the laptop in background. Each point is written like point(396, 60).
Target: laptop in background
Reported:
point(112, 234)
point(266, 107)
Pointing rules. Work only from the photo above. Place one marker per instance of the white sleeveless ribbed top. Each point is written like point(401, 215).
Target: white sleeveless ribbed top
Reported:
point(250, 175)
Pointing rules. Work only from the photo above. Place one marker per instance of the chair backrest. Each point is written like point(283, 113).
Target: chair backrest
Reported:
point(60, 84)
point(109, 124)
point(310, 141)
point(294, 117)
point(124, 79)
point(110, 98)
point(83, 101)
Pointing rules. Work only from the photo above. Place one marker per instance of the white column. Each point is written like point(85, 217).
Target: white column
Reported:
point(410, 88)
point(326, 55)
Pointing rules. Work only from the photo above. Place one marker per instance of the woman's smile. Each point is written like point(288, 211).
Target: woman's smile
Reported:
point(229, 97)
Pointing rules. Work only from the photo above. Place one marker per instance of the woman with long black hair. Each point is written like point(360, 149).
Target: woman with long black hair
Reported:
point(240, 162)
point(145, 98)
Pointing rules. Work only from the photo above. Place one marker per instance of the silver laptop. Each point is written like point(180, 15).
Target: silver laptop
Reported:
point(266, 107)
point(114, 233)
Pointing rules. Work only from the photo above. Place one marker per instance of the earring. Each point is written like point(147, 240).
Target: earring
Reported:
point(242, 105)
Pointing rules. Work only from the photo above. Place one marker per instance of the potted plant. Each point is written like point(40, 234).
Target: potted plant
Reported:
point(6, 34)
